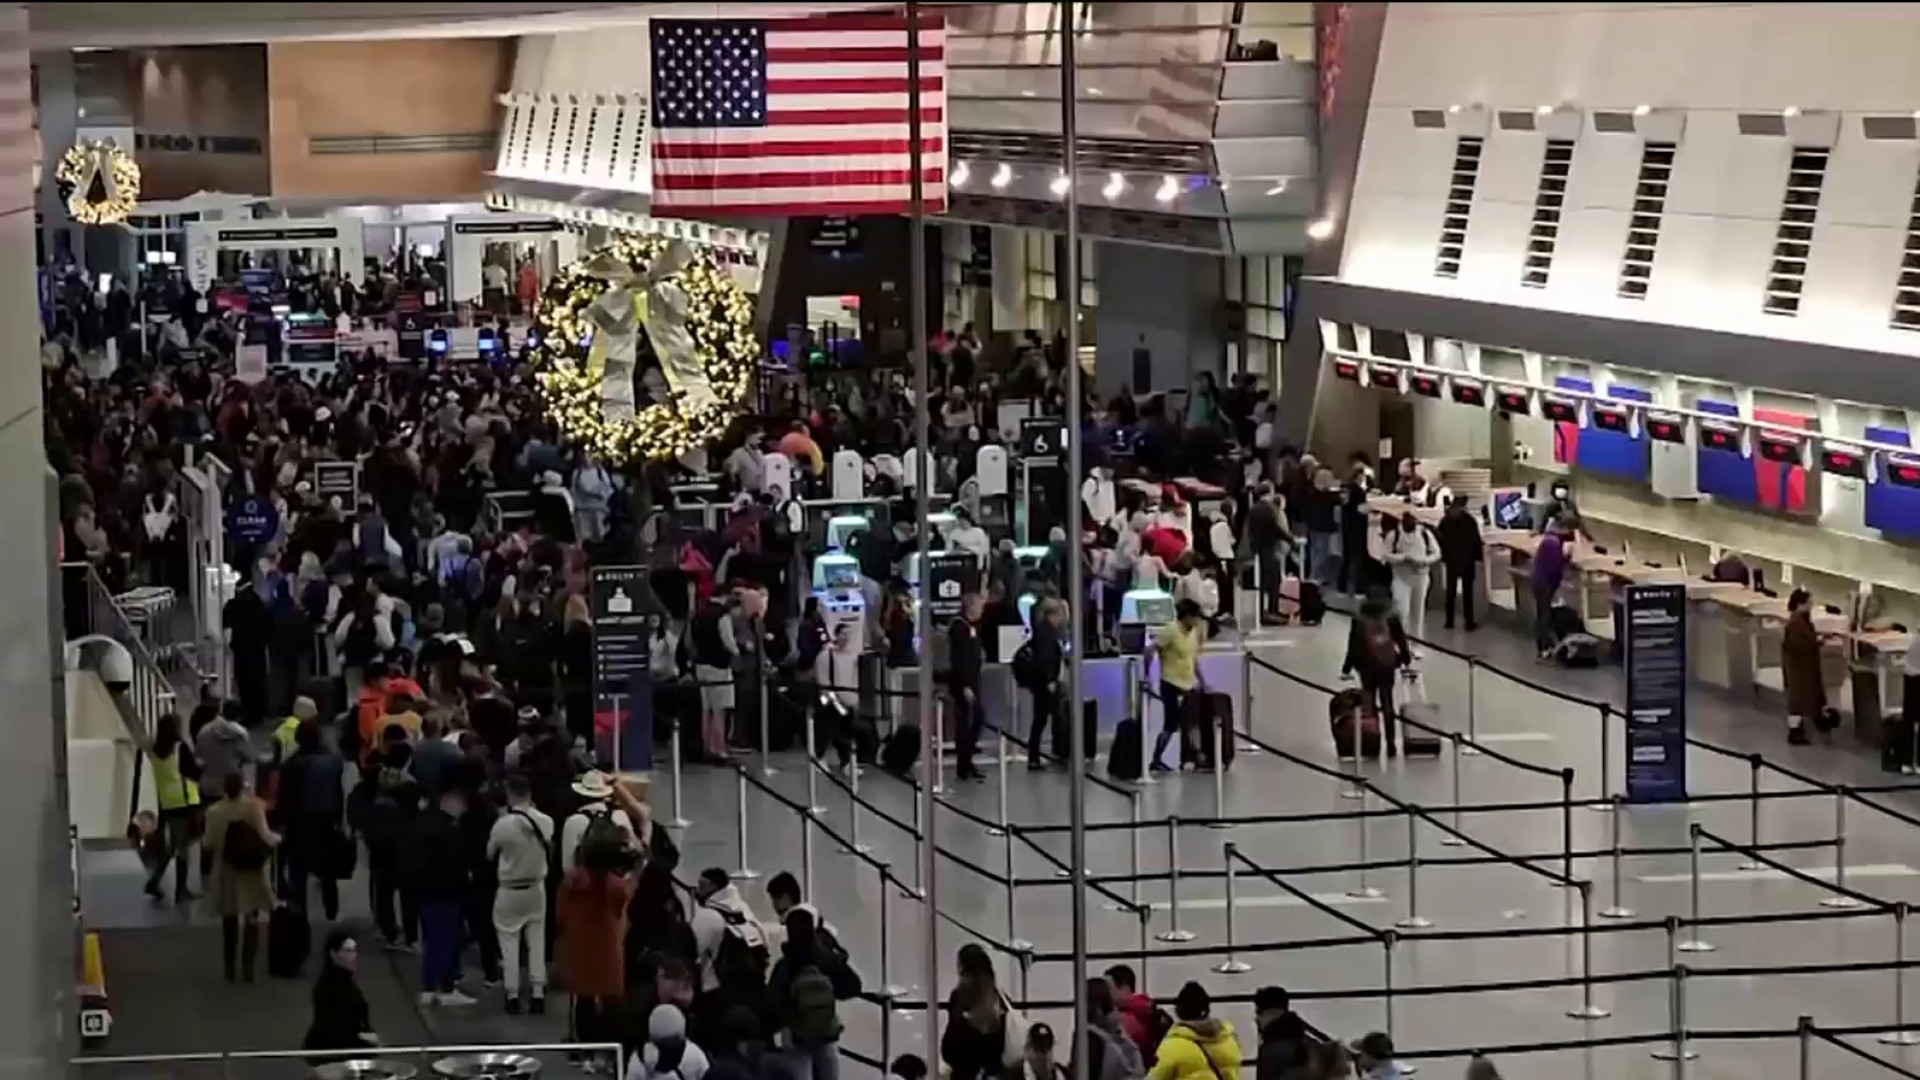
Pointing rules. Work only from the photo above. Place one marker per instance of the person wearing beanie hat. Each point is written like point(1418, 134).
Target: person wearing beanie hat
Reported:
point(1198, 1046)
point(1373, 1057)
point(667, 1052)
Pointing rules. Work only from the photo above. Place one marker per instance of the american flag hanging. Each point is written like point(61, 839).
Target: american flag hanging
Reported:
point(795, 116)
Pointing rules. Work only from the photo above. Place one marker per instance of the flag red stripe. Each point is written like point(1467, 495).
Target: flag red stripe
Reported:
point(808, 209)
point(842, 178)
point(851, 85)
point(851, 54)
point(777, 117)
point(794, 148)
point(851, 20)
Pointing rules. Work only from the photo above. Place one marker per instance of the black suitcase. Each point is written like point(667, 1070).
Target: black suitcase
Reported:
point(1564, 622)
point(1207, 713)
point(289, 941)
point(1089, 734)
point(1313, 607)
point(1123, 757)
point(1896, 743)
point(901, 752)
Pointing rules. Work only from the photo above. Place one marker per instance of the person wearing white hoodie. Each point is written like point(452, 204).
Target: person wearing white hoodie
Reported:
point(668, 1052)
point(720, 906)
point(1409, 551)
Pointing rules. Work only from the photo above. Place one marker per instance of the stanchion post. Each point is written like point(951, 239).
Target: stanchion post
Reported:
point(888, 988)
point(760, 676)
point(746, 871)
point(1840, 899)
point(1606, 797)
point(853, 810)
point(1000, 739)
point(813, 765)
point(1677, 1050)
point(806, 850)
point(1414, 920)
point(1587, 1010)
point(1364, 891)
point(1566, 828)
point(1232, 965)
point(1219, 777)
point(1133, 848)
point(1388, 939)
point(1754, 762)
point(1693, 944)
point(1450, 839)
point(1174, 933)
point(919, 889)
point(1806, 1047)
point(938, 763)
point(1246, 685)
point(1014, 940)
point(1616, 910)
point(679, 820)
point(1146, 746)
point(1898, 1035)
point(1145, 914)
point(1473, 711)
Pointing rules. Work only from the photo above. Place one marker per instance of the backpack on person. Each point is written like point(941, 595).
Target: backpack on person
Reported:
point(1026, 667)
point(743, 957)
point(243, 848)
point(602, 834)
point(813, 1008)
point(1377, 643)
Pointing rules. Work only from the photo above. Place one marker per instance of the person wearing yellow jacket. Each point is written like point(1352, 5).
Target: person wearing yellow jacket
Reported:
point(1197, 1047)
point(178, 799)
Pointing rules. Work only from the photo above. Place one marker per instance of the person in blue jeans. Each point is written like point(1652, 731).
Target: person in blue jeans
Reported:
point(437, 868)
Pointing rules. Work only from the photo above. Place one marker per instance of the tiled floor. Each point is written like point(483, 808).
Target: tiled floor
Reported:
point(1338, 987)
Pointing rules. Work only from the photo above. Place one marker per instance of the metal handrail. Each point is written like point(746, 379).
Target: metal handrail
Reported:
point(150, 694)
point(347, 1055)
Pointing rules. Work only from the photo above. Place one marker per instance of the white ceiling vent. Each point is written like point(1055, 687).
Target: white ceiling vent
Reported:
point(1459, 206)
point(1643, 222)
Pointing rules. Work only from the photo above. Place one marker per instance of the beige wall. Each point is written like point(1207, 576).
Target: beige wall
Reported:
point(200, 119)
point(356, 89)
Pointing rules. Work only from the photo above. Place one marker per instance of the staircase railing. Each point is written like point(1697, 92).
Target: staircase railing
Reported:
point(91, 610)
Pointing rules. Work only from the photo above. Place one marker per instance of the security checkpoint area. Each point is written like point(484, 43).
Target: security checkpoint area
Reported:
point(1497, 899)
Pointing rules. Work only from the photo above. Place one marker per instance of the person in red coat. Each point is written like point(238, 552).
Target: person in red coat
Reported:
point(592, 911)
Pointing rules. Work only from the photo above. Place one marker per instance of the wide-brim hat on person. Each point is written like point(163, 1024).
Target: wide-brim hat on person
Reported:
point(593, 785)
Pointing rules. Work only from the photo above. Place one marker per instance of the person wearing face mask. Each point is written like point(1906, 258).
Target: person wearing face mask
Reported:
point(1409, 552)
point(1559, 507)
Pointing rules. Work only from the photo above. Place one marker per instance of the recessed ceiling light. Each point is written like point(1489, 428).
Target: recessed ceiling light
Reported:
point(1279, 186)
point(1453, 108)
point(1320, 229)
point(1002, 176)
point(1026, 93)
point(1226, 184)
point(1059, 184)
point(1790, 111)
point(1095, 91)
point(1642, 110)
point(1543, 110)
point(1115, 185)
point(959, 176)
point(1168, 191)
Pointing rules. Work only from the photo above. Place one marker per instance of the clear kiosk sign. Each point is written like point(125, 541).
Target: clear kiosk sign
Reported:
point(1656, 662)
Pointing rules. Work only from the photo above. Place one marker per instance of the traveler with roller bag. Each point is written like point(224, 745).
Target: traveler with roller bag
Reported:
point(1376, 652)
point(1356, 727)
point(1209, 718)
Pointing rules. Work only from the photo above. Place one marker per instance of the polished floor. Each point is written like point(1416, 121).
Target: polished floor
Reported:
point(1744, 985)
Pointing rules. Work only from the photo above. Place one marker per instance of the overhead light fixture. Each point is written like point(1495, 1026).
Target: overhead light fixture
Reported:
point(1168, 191)
point(1790, 111)
point(1543, 110)
point(1059, 184)
point(960, 175)
point(1642, 110)
point(1115, 185)
point(1279, 187)
point(1094, 91)
point(1320, 230)
point(1226, 184)
point(1027, 93)
point(1453, 108)
point(1002, 176)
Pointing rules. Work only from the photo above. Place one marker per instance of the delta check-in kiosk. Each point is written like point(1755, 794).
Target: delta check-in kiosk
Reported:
point(548, 240)
point(337, 240)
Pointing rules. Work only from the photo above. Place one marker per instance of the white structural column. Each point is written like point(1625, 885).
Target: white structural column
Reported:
point(37, 928)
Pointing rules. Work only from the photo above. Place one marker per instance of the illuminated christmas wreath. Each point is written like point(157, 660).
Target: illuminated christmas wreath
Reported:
point(99, 181)
point(697, 323)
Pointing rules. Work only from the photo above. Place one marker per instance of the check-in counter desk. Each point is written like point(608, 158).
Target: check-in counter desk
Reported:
point(1876, 676)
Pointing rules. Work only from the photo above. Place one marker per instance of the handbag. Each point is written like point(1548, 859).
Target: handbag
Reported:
point(1013, 1040)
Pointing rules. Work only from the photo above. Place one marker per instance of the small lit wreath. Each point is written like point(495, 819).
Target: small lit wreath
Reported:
point(99, 181)
point(719, 319)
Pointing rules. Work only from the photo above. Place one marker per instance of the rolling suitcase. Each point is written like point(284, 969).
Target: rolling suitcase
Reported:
point(289, 941)
point(1356, 729)
point(1089, 734)
point(1123, 757)
point(901, 752)
point(1416, 743)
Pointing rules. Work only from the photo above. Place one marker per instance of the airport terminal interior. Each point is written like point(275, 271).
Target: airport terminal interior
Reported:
point(994, 541)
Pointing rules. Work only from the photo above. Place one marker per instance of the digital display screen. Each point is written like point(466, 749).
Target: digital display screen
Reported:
point(1426, 385)
point(1384, 378)
point(1469, 393)
point(1777, 448)
point(1517, 402)
point(1612, 420)
point(1560, 410)
point(1665, 428)
point(1347, 369)
point(1844, 461)
point(1715, 437)
point(1904, 471)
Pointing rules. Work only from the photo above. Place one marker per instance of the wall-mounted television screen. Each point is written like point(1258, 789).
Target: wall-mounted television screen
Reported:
point(1466, 392)
point(1347, 369)
point(1843, 461)
point(1425, 385)
point(1515, 402)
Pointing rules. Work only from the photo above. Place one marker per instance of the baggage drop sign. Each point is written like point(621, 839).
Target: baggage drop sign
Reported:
point(1655, 622)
